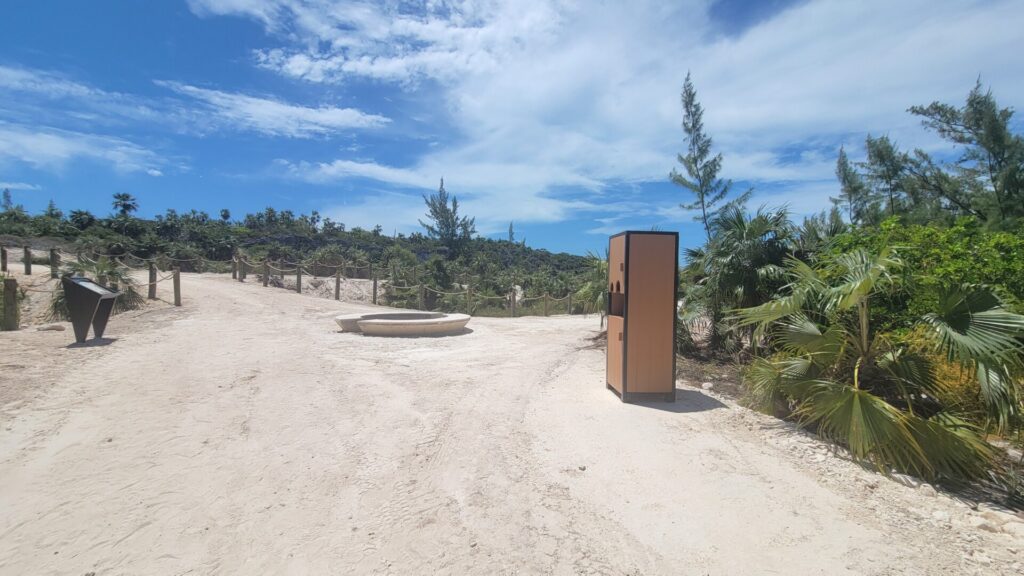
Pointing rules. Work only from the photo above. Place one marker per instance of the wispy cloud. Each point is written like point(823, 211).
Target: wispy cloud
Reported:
point(274, 117)
point(53, 149)
point(18, 186)
point(188, 109)
point(44, 83)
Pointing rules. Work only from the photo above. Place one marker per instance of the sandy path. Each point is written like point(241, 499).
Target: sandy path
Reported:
point(241, 434)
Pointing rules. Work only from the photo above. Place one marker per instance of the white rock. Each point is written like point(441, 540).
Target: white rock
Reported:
point(927, 490)
point(997, 518)
point(940, 515)
point(52, 327)
point(906, 480)
point(1014, 529)
point(981, 524)
point(707, 385)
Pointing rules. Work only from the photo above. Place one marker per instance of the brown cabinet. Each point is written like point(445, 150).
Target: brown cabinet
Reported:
point(643, 273)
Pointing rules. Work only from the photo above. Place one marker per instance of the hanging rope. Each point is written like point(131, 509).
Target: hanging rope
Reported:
point(446, 293)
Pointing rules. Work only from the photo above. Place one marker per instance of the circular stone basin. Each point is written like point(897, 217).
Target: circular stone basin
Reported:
point(403, 323)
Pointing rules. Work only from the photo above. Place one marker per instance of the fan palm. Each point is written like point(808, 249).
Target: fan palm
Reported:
point(593, 293)
point(869, 391)
point(740, 266)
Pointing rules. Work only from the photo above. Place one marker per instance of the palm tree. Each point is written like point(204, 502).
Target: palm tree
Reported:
point(873, 392)
point(739, 267)
point(594, 291)
point(125, 204)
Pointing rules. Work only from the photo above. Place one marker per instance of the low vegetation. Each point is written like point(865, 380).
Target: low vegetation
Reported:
point(891, 325)
point(448, 257)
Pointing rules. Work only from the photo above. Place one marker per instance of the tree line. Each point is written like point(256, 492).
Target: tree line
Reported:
point(447, 255)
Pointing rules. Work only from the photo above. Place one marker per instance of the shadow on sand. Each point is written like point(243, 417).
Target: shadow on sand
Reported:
point(687, 401)
point(92, 343)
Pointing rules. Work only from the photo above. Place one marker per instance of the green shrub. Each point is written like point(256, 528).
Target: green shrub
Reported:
point(965, 253)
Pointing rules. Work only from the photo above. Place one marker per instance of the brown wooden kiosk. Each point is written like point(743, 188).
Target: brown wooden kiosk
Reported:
point(643, 273)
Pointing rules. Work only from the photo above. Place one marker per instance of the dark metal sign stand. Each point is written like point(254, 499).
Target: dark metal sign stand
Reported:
point(88, 303)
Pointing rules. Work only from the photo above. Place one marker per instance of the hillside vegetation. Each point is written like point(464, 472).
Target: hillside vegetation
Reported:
point(447, 256)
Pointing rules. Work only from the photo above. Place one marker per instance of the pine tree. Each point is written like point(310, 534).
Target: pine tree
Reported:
point(52, 211)
point(701, 168)
point(886, 168)
point(988, 179)
point(446, 225)
point(853, 193)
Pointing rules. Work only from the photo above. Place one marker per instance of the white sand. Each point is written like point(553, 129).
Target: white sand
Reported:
point(241, 434)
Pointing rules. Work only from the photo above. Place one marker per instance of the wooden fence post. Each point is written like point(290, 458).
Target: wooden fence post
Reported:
point(27, 259)
point(3, 259)
point(11, 320)
point(375, 290)
point(54, 263)
point(512, 301)
point(298, 278)
point(545, 303)
point(423, 296)
point(266, 273)
point(152, 281)
point(234, 269)
point(569, 312)
point(469, 299)
point(337, 284)
point(177, 286)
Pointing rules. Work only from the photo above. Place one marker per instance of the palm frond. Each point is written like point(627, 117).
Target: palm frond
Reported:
point(872, 429)
point(953, 448)
point(913, 373)
point(972, 325)
point(798, 334)
point(999, 394)
point(862, 273)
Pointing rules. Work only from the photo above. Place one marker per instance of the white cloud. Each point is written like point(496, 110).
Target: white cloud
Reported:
point(394, 212)
point(34, 96)
point(72, 104)
point(18, 186)
point(273, 117)
point(43, 83)
point(547, 94)
point(52, 149)
point(492, 194)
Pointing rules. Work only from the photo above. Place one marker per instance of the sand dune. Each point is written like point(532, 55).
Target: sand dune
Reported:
point(241, 434)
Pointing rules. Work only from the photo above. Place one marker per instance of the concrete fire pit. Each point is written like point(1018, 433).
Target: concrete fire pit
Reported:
point(403, 323)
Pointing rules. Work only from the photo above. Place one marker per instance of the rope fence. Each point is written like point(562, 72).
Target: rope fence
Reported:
point(418, 295)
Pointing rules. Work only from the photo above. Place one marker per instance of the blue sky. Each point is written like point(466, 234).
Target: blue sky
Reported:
point(560, 116)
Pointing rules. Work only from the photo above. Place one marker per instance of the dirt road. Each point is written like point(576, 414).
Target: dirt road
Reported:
point(242, 434)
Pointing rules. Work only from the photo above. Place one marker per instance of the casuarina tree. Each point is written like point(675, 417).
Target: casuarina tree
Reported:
point(445, 224)
point(701, 167)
